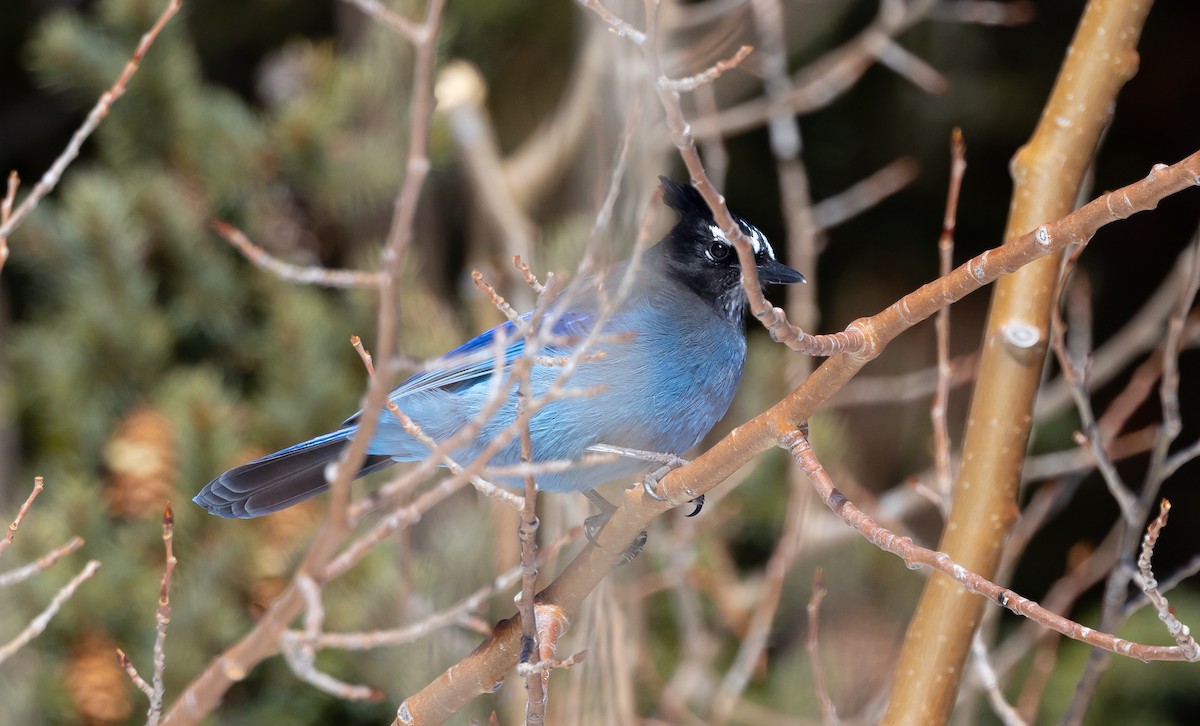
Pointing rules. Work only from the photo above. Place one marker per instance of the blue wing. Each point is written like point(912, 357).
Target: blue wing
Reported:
point(473, 362)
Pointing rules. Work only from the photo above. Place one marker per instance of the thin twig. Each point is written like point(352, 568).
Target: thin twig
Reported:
point(917, 556)
point(865, 193)
point(52, 176)
point(941, 396)
point(708, 75)
point(38, 484)
point(23, 573)
point(617, 25)
point(479, 672)
point(402, 25)
point(39, 622)
point(1074, 371)
point(300, 652)
point(206, 691)
point(131, 671)
point(162, 619)
point(6, 206)
point(494, 297)
point(459, 613)
point(983, 669)
point(812, 648)
point(310, 275)
point(1180, 632)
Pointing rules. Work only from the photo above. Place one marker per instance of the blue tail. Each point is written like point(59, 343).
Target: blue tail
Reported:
point(281, 479)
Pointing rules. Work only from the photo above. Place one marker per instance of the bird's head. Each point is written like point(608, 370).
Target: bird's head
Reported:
point(696, 253)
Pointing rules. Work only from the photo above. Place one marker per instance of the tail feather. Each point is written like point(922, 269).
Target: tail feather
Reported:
point(280, 480)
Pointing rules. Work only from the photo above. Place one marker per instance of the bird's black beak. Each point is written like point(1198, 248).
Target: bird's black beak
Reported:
point(774, 272)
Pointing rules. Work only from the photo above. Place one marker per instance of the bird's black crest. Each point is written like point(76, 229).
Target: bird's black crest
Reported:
point(684, 198)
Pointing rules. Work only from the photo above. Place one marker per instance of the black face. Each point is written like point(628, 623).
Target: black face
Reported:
point(697, 253)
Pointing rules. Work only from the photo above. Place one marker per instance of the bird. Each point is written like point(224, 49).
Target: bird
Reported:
point(665, 373)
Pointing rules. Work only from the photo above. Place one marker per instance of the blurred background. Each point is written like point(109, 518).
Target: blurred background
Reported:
point(140, 354)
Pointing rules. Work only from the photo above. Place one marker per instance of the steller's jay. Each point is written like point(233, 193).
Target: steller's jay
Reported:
point(672, 361)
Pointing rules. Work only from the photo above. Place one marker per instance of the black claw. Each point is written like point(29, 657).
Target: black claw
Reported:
point(699, 504)
point(593, 524)
point(633, 550)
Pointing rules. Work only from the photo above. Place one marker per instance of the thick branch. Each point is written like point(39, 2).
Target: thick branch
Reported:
point(479, 672)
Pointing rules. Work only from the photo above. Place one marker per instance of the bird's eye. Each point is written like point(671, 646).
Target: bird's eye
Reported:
point(718, 251)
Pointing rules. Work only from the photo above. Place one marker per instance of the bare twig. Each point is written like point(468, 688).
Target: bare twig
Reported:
point(162, 618)
point(131, 671)
point(38, 484)
point(941, 396)
point(52, 176)
point(299, 649)
point(917, 556)
point(39, 622)
point(983, 669)
point(1074, 371)
point(1180, 632)
point(312, 275)
point(812, 648)
point(865, 193)
point(822, 82)
point(478, 672)
point(494, 297)
point(23, 573)
point(708, 75)
point(458, 613)
point(205, 692)
point(984, 12)
point(402, 25)
point(6, 206)
point(617, 25)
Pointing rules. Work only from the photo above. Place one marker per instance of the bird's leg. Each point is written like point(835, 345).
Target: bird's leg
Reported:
point(670, 462)
point(651, 480)
point(593, 524)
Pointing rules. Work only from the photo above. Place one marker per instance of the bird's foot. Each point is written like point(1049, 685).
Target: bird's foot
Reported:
point(593, 524)
point(651, 481)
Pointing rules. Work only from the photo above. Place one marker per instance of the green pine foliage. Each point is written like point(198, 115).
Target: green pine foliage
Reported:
point(125, 298)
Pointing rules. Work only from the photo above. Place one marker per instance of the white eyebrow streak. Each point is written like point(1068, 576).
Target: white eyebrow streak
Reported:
point(756, 239)
point(757, 236)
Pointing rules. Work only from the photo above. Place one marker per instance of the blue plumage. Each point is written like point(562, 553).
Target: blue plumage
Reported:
point(667, 379)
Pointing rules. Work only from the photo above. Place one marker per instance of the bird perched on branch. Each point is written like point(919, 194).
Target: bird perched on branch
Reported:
point(665, 367)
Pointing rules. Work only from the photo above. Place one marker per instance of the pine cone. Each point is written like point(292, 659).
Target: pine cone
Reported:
point(140, 457)
point(97, 685)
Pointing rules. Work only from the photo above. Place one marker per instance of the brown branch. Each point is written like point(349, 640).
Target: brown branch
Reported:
point(162, 619)
point(38, 485)
point(6, 207)
point(206, 691)
point(461, 94)
point(708, 75)
point(822, 82)
point(52, 176)
point(865, 193)
point(374, 8)
point(941, 396)
point(23, 573)
point(131, 671)
point(987, 675)
point(914, 556)
point(478, 672)
point(42, 619)
point(309, 275)
point(812, 648)
point(1180, 632)
point(1048, 173)
point(1128, 529)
